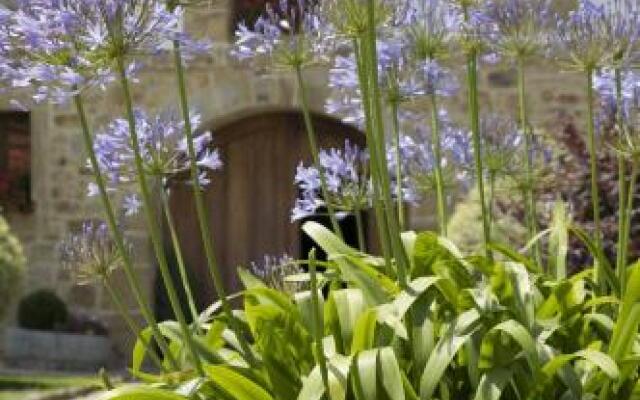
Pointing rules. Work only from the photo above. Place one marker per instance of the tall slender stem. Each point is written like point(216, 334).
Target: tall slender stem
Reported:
point(202, 212)
point(530, 203)
point(437, 153)
point(398, 163)
point(492, 190)
point(315, 151)
point(593, 158)
point(472, 82)
point(627, 222)
point(318, 325)
point(621, 259)
point(177, 248)
point(381, 220)
point(397, 246)
point(133, 325)
point(152, 221)
point(129, 270)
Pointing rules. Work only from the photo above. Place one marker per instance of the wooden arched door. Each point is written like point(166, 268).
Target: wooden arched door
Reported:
point(250, 199)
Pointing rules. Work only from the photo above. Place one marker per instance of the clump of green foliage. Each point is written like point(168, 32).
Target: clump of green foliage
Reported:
point(12, 267)
point(42, 310)
point(461, 328)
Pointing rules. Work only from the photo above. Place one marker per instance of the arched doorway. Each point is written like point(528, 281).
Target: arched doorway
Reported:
point(250, 200)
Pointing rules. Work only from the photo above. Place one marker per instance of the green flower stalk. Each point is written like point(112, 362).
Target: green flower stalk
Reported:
point(130, 272)
point(152, 221)
point(313, 145)
point(371, 59)
point(593, 160)
point(527, 131)
point(437, 153)
point(623, 207)
point(201, 210)
point(381, 219)
point(431, 38)
point(398, 163)
point(177, 248)
point(472, 83)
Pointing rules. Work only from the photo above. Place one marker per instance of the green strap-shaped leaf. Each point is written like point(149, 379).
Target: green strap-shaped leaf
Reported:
point(492, 384)
point(305, 307)
point(327, 240)
point(349, 305)
point(598, 358)
point(389, 369)
point(365, 375)
point(623, 335)
point(598, 255)
point(407, 297)
point(141, 393)
point(235, 384)
point(392, 314)
point(249, 280)
point(447, 347)
point(520, 334)
point(313, 388)
point(169, 329)
point(515, 256)
point(364, 331)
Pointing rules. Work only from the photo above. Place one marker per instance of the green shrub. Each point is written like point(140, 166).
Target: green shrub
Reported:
point(12, 265)
point(461, 328)
point(42, 310)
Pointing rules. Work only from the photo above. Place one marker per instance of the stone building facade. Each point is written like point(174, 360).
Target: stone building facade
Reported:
point(218, 87)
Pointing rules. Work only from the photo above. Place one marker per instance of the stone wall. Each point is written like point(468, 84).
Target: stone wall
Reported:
point(218, 86)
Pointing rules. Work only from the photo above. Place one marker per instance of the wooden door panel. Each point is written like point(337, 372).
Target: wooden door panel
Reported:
point(250, 200)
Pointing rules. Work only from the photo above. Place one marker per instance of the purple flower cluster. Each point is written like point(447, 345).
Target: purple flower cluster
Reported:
point(163, 149)
point(348, 182)
point(290, 34)
point(434, 24)
point(418, 159)
point(61, 47)
point(583, 37)
point(523, 26)
point(604, 84)
point(401, 78)
point(90, 254)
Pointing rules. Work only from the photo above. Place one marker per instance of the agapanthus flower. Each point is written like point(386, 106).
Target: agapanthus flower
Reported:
point(350, 19)
point(401, 78)
point(418, 159)
point(433, 27)
point(582, 38)
point(348, 182)
point(163, 149)
point(623, 30)
point(61, 47)
point(502, 144)
point(604, 83)
point(90, 254)
point(274, 270)
point(289, 34)
point(523, 26)
point(503, 149)
point(477, 30)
